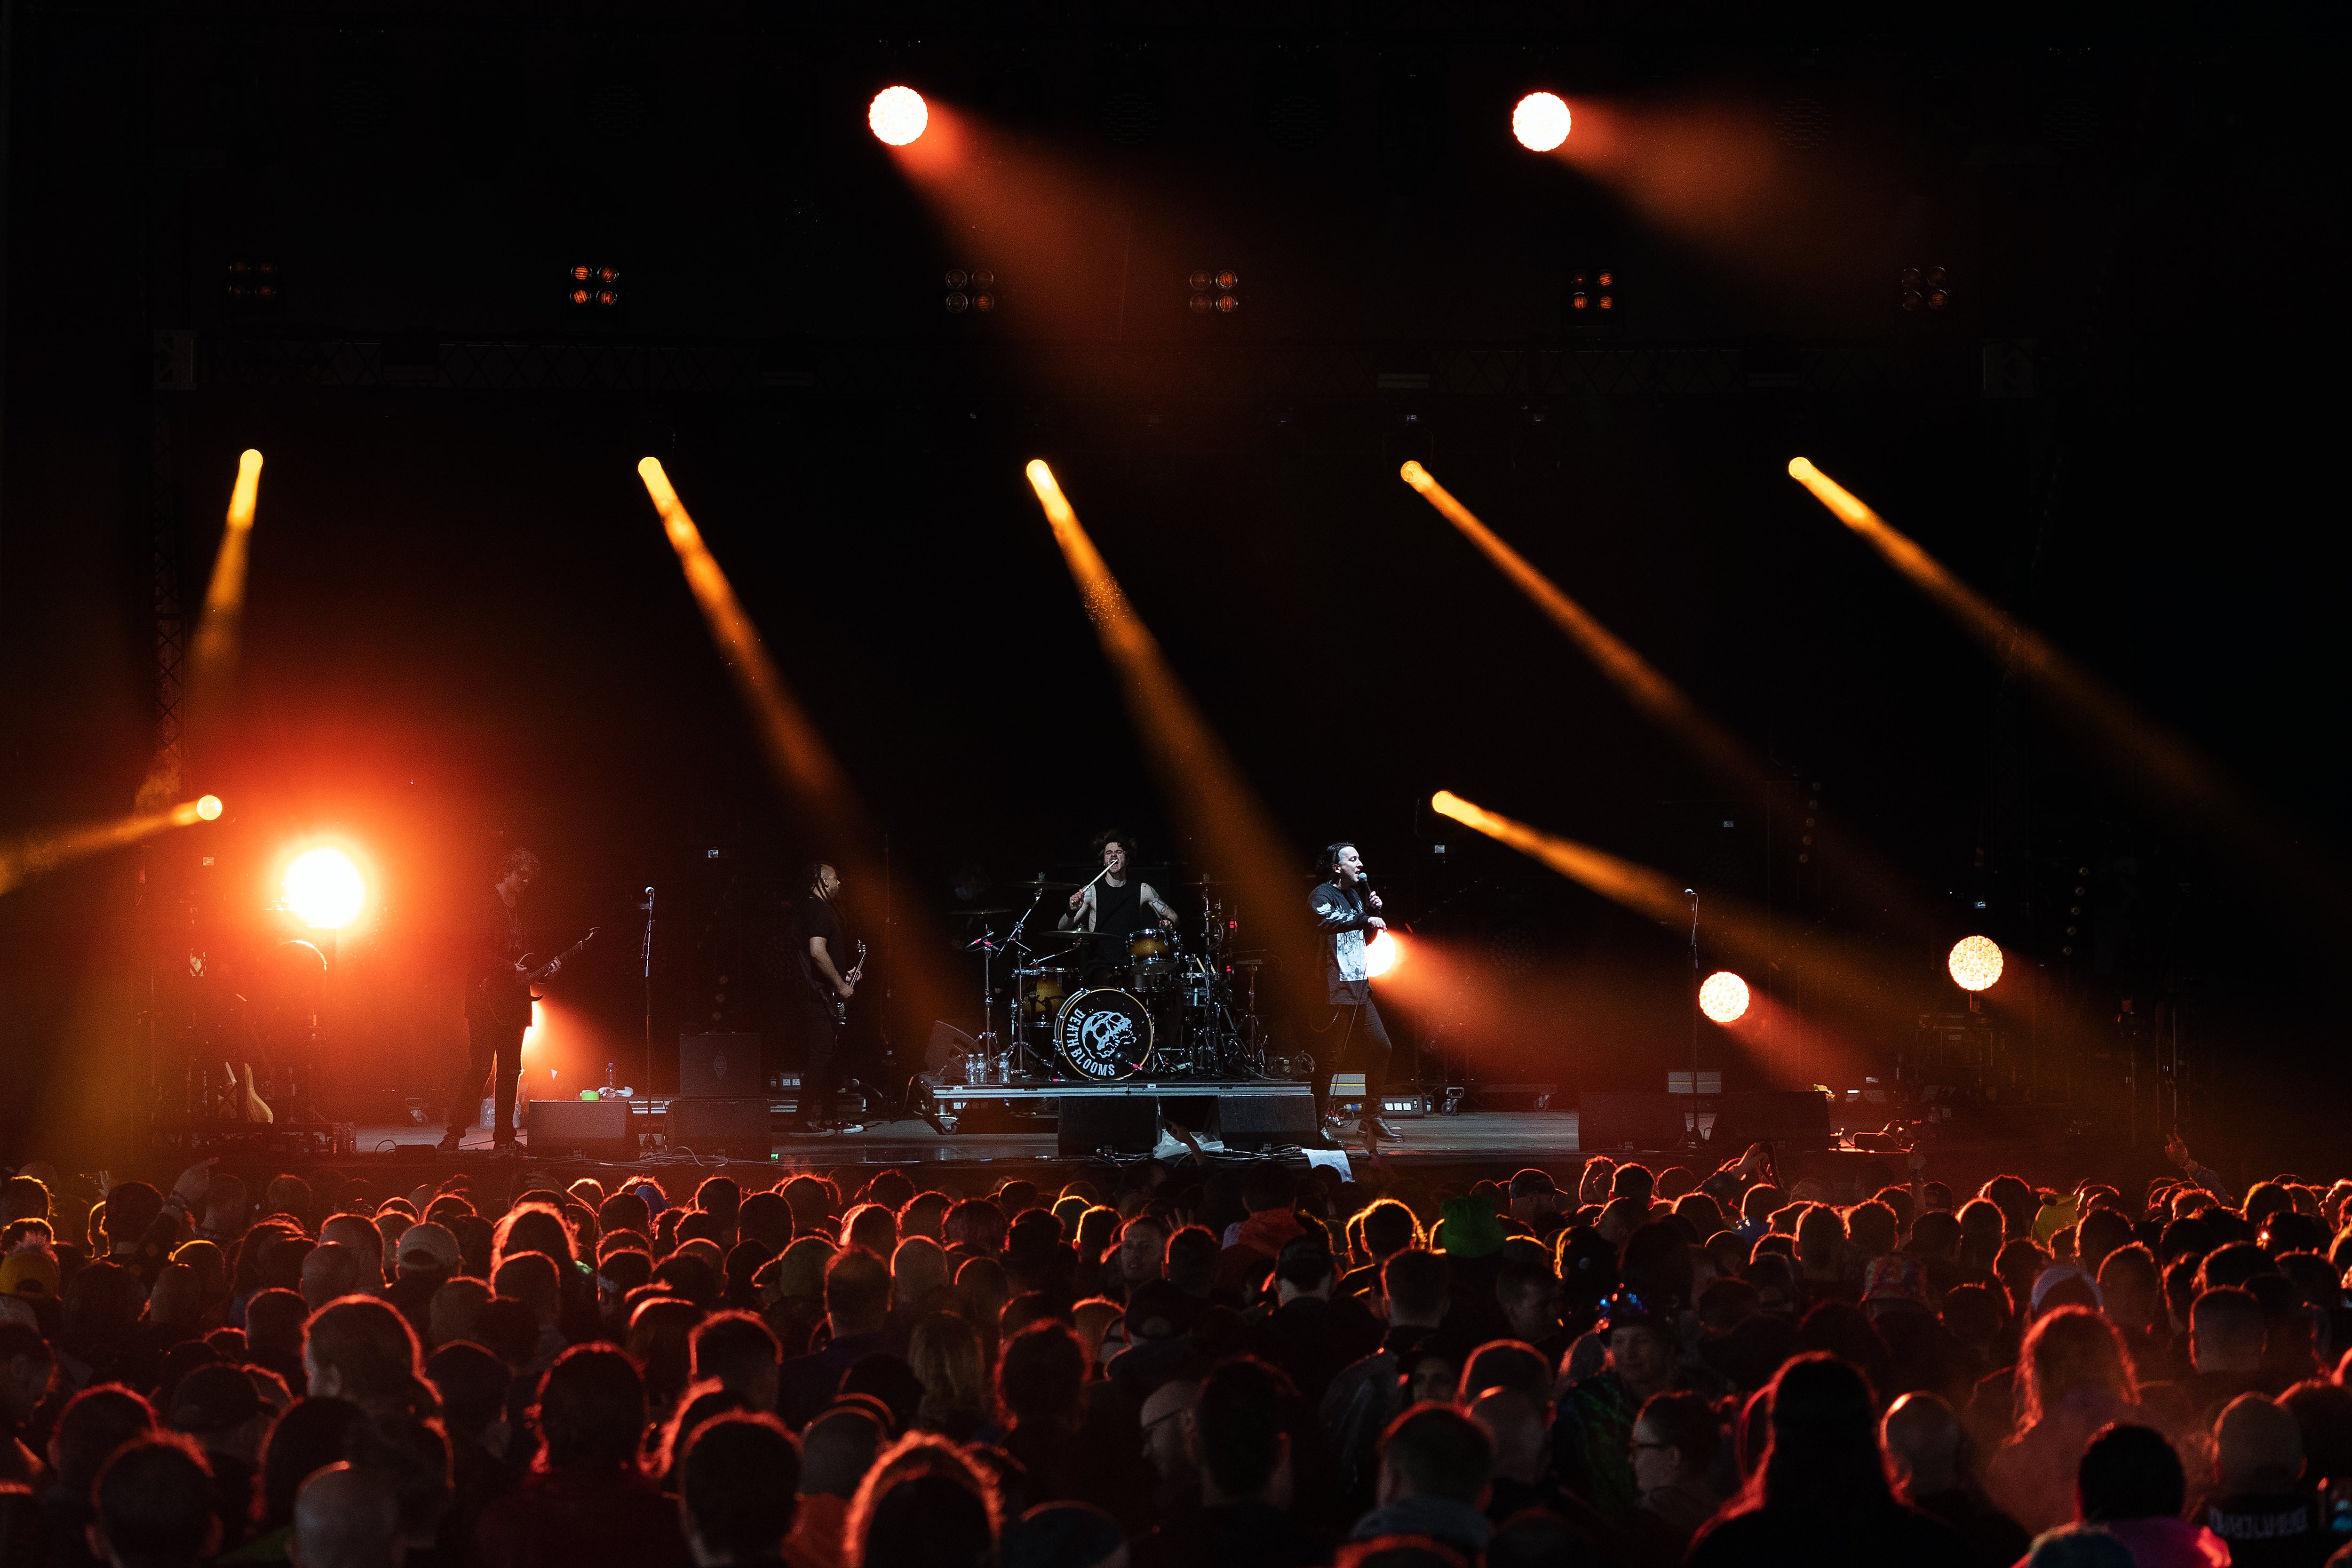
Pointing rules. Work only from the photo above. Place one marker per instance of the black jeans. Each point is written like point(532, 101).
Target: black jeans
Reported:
point(821, 1053)
point(491, 1048)
point(1356, 1029)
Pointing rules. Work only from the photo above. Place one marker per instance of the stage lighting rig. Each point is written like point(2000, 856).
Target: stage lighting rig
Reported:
point(1724, 997)
point(971, 289)
point(1215, 293)
point(596, 288)
point(1593, 296)
point(898, 116)
point(255, 287)
point(1923, 288)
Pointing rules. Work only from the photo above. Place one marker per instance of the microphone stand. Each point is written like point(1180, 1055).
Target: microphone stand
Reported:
point(646, 957)
point(1697, 1142)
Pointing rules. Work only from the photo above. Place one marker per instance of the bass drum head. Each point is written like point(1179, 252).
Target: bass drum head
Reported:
point(1103, 1035)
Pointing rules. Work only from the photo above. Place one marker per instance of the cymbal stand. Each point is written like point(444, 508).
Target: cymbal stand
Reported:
point(986, 945)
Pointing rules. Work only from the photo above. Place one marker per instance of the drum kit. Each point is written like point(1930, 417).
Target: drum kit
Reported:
point(1099, 1008)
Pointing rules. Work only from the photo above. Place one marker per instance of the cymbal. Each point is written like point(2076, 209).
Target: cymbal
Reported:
point(1055, 887)
point(975, 915)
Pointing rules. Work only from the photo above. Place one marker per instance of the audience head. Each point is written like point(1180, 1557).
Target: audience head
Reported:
point(1064, 1535)
point(591, 1410)
point(837, 1450)
point(857, 1293)
point(2070, 1349)
point(1923, 1439)
point(153, 1501)
point(2257, 1446)
point(2129, 1472)
point(1238, 1443)
point(347, 1516)
point(738, 1486)
point(2225, 1331)
point(1435, 1451)
point(923, 1505)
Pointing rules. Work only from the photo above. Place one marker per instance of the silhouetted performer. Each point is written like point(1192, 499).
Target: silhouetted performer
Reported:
point(498, 1001)
point(1345, 908)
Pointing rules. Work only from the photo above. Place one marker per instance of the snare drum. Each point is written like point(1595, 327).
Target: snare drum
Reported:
point(1103, 1035)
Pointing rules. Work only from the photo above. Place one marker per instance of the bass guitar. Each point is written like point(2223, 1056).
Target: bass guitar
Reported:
point(841, 1003)
point(509, 997)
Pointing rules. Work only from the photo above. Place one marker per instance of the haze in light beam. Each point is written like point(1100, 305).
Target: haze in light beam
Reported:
point(802, 764)
point(38, 853)
point(1198, 777)
point(209, 675)
point(2160, 764)
point(1661, 701)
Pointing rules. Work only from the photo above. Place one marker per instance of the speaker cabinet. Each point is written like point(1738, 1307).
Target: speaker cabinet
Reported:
point(1265, 1121)
point(583, 1129)
point(1609, 1120)
point(1126, 1124)
point(1794, 1118)
point(709, 1064)
point(736, 1127)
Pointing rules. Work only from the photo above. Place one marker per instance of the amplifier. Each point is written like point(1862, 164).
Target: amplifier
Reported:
point(1265, 1121)
point(586, 1128)
point(736, 1127)
point(1125, 1124)
point(1643, 1120)
point(718, 1064)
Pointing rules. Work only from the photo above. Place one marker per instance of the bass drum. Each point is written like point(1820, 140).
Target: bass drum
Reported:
point(1104, 1036)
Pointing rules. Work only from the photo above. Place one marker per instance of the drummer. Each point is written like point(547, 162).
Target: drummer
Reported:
point(1113, 905)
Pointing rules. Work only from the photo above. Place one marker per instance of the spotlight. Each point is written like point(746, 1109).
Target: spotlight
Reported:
point(1215, 291)
point(209, 808)
point(1974, 962)
point(1382, 953)
point(1923, 288)
point(594, 288)
point(253, 285)
point(971, 290)
point(897, 115)
point(1724, 997)
point(324, 888)
point(1592, 296)
point(1540, 121)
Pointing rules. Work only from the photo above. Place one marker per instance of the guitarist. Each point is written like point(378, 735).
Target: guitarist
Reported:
point(498, 1002)
point(826, 991)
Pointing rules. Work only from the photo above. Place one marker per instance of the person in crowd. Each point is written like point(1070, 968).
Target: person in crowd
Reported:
point(1821, 1494)
point(943, 1351)
point(1435, 1466)
point(923, 1504)
point(836, 1452)
point(586, 1500)
point(1930, 1451)
point(153, 1506)
point(738, 1488)
point(1242, 1451)
point(2071, 1379)
point(1592, 1437)
point(1675, 1444)
point(740, 1353)
point(858, 1311)
point(2260, 1505)
point(347, 1517)
point(2129, 1487)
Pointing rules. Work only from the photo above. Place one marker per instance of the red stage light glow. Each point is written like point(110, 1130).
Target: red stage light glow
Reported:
point(324, 886)
point(1540, 121)
point(1382, 953)
point(1724, 997)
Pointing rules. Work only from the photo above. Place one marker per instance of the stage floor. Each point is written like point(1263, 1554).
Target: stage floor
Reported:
point(1521, 1138)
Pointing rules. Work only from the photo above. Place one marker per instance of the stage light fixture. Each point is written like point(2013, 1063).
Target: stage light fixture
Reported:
point(1382, 953)
point(594, 288)
point(1974, 962)
point(970, 289)
point(1540, 121)
point(253, 285)
point(897, 115)
point(1724, 997)
point(1215, 291)
point(324, 886)
point(208, 808)
point(1590, 292)
point(1923, 288)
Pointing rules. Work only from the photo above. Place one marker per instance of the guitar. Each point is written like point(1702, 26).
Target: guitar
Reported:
point(509, 997)
point(841, 1003)
point(240, 1101)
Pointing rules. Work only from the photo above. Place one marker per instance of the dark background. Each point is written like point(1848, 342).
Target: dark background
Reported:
point(465, 629)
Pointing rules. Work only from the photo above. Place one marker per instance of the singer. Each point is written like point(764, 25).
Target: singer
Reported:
point(1345, 908)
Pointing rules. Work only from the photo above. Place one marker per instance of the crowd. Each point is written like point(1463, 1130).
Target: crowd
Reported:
point(1205, 1366)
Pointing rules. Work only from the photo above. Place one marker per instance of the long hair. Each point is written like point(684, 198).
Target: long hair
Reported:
point(1822, 1461)
point(2070, 1348)
point(945, 1353)
point(534, 1228)
point(923, 1505)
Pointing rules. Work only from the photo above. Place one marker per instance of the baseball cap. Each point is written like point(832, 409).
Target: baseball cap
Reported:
point(28, 1271)
point(429, 1245)
point(211, 1398)
point(1159, 1310)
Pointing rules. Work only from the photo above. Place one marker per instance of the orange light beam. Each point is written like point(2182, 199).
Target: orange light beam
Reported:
point(798, 754)
point(2161, 763)
point(802, 764)
point(1840, 969)
point(213, 649)
point(1659, 698)
point(1195, 772)
point(37, 854)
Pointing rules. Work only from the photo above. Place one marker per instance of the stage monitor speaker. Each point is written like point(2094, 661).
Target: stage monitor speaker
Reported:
point(1265, 1121)
point(737, 1127)
point(1127, 1124)
point(711, 1065)
point(586, 1128)
point(1795, 1117)
point(1611, 1120)
point(947, 1044)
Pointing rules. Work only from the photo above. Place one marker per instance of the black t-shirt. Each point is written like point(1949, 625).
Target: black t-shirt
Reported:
point(499, 938)
point(817, 918)
point(1118, 915)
